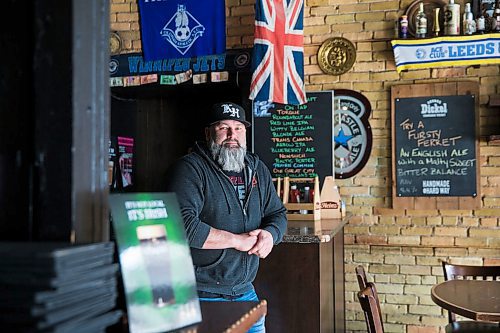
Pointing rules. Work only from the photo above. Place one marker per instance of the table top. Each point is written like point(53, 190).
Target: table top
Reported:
point(227, 317)
point(474, 299)
point(313, 231)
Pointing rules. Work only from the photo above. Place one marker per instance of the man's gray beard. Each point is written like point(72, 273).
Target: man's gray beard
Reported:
point(229, 158)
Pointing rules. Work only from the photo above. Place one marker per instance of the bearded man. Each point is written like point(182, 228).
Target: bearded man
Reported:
point(232, 213)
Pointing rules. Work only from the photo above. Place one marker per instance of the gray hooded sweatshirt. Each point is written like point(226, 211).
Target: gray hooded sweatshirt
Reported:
point(207, 199)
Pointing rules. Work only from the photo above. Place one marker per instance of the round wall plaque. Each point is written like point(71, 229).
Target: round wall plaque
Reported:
point(336, 55)
point(115, 43)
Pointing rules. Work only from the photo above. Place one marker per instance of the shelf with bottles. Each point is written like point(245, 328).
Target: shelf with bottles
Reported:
point(437, 18)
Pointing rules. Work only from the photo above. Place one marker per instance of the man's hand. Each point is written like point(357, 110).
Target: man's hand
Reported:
point(221, 239)
point(244, 242)
point(264, 243)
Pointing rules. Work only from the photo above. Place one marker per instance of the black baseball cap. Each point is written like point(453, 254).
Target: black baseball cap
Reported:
point(227, 111)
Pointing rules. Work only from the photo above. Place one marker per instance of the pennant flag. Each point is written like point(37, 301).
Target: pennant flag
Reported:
point(278, 52)
point(446, 51)
point(182, 29)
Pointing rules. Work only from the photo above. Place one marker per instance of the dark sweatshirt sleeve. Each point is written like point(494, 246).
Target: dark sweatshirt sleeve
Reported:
point(274, 219)
point(186, 181)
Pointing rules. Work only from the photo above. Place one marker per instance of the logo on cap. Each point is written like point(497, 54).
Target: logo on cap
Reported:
point(229, 108)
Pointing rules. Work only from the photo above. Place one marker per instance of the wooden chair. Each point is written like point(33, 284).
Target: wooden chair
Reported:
point(368, 298)
point(466, 272)
point(361, 275)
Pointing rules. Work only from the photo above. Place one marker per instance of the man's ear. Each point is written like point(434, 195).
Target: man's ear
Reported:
point(207, 133)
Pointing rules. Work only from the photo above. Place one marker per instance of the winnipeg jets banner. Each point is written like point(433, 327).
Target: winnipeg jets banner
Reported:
point(447, 51)
point(182, 28)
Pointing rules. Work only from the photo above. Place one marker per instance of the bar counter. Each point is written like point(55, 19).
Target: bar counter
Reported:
point(303, 278)
point(313, 231)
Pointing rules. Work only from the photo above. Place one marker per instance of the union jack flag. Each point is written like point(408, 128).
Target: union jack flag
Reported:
point(278, 52)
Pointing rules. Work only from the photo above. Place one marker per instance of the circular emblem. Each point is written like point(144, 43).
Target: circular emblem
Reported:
point(336, 55)
point(113, 66)
point(242, 60)
point(420, 53)
point(352, 132)
point(115, 43)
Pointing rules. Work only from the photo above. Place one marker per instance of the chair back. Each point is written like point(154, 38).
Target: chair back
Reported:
point(361, 275)
point(368, 298)
point(466, 272)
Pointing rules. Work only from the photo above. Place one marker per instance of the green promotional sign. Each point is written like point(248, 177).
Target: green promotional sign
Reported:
point(156, 264)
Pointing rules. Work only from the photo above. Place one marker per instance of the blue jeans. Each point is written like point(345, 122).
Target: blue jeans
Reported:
point(259, 326)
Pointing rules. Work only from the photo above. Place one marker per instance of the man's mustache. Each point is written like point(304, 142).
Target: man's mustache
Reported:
point(232, 141)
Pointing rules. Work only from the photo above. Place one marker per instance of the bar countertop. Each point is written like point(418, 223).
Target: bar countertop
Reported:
point(313, 231)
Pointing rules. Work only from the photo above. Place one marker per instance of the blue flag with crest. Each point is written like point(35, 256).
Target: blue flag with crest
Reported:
point(182, 29)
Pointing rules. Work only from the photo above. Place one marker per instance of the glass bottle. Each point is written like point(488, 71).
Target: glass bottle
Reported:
point(421, 22)
point(294, 194)
point(480, 23)
point(452, 19)
point(496, 15)
point(307, 194)
point(469, 24)
point(403, 25)
point(306, 198)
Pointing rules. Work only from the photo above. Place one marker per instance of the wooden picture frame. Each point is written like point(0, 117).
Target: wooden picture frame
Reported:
point(417, 199)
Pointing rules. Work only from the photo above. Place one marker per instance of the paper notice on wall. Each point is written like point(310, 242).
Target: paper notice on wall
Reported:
point(200, 78)
point(130, 81)
point(116, 82)
point(184, 77)
point(150, 78)
point(168, 80)
point(219, 76)
point(125, 160)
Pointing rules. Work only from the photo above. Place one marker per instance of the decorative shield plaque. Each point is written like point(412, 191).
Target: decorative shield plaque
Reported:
point(353, 134)
point(336, 55)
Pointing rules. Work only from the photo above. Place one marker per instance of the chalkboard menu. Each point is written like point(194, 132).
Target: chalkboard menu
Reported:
point(295, 140)
point(435, 146)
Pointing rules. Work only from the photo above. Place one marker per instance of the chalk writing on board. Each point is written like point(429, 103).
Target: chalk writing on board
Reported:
point(435, 146)
point(293, 139)
point(291, 135)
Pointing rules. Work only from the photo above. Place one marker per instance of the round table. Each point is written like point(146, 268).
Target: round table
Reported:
point(474, 299)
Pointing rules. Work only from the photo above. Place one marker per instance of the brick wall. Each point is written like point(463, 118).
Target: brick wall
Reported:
point(400, 249)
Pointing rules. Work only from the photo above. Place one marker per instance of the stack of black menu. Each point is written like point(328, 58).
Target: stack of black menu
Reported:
point(57, 287)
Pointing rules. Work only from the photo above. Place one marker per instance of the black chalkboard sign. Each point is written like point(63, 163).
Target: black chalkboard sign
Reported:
point(435, 146)
point(296, 140)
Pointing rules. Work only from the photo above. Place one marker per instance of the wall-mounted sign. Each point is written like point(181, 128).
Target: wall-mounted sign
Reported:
point(435, 146)
point(353, 134)
point(131, 64)
point(295, 140)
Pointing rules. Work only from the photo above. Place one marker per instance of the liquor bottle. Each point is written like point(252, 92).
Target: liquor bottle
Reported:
point(421, 22)
point(306, 198)
point(480, 23)
point(452, 19)
point(496, 15)
point(468, 24)
point(294, 194)
point(403, 25)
